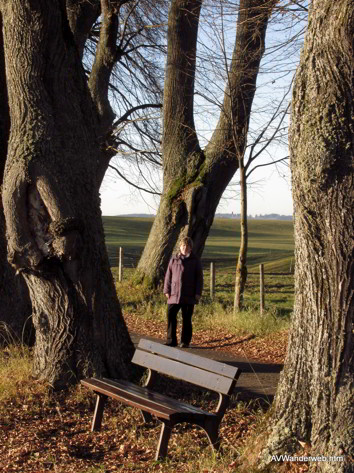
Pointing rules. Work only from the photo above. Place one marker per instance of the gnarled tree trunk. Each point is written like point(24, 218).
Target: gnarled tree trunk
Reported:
point(51, 201)
point(15, 305)
point(195, 179)
point(314, 402)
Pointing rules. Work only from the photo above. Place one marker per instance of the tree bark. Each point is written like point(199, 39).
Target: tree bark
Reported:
point(82, 14)
point(314, 396)
point(241, 267)
point(51, 200)
point(15, 305)
point(179, 139)
point(195, 179)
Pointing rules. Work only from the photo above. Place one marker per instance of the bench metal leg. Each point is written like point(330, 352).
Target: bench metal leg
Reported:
point(165, 434)
point(213, 435)
point(98, 414)
point(211, 428)
point(146, 416)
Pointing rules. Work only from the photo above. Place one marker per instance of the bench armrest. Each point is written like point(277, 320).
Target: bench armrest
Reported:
point(151, 378)
point(224, 401)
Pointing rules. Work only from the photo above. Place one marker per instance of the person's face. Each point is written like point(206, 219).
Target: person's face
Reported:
point(185, 249)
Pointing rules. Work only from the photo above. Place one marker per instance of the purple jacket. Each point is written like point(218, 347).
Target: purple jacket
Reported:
point(183, 279)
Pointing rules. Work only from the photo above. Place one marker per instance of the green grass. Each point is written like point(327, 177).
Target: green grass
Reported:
point(271, 242)
point(217, 313)
point(129, 233)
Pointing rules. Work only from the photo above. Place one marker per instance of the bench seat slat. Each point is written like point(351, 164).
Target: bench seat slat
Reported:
point(158, 398)
point(131, 400)
point(190, 359)
point(155, 403)
point(177, 369)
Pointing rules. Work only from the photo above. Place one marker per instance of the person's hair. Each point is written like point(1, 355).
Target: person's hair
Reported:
point(187, 241)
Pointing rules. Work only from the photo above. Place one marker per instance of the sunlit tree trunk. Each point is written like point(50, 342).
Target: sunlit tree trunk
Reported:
point(241, 267)
point(15, 306)
point(51, 200)
point(314, 401)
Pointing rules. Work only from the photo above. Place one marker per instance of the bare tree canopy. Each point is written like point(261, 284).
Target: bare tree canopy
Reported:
point(194, 178)
point(123, 57)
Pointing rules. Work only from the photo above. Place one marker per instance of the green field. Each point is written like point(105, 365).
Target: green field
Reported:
point(270, 242)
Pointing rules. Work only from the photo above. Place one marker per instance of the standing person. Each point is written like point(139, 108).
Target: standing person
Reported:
point(183, 288)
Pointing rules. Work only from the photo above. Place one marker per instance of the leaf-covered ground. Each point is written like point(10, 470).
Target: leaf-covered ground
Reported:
point(42, 432)
point(270, 348)
point(55, 436)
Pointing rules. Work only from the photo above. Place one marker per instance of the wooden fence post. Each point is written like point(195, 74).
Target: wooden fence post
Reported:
point(261, 287)
point(212, 280)
point(120, 274)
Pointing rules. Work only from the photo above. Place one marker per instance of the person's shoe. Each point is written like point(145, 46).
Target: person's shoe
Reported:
point(184, 345)
point(170, 344)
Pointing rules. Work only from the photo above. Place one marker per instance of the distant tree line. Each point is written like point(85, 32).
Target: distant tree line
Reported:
point(256, 217)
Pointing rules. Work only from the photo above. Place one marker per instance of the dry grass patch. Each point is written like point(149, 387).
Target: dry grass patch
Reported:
point(17, 383)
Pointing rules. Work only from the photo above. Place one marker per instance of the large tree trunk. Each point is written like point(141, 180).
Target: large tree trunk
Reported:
point(314, 400)
point(195, 179)
point(51, 199)
point(15, 306)
point(179, 139)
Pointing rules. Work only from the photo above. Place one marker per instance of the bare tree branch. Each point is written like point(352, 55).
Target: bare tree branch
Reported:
point(300, 5)
point(269, 140)
point(134, 109)
point(82, 16)
point(132, 183)
point(104, 61)
point(282, 160)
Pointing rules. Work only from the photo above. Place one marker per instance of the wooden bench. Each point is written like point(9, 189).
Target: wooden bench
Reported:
point(158, 358)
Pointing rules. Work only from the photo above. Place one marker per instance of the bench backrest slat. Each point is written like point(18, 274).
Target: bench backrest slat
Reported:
point(192, 374)
point(190, 359)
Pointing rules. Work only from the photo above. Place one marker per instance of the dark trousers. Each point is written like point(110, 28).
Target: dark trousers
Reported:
point(187, 312)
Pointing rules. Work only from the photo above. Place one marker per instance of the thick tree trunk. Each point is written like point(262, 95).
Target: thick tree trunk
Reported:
point(314, 400)
point(179, 140)
point(15, 305)
point(195, 179)
point(51, 200)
